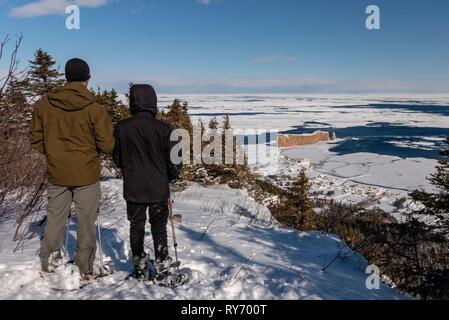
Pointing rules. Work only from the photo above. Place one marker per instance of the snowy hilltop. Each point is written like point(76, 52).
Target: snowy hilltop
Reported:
point(231, 243)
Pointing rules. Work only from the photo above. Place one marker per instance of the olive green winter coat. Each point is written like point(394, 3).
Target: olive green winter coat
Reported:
point(70, 128)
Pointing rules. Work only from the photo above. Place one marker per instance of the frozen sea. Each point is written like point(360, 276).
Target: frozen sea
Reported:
point(405, 126)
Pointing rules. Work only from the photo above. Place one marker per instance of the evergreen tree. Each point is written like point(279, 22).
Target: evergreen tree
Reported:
point(226, 123)
point(129, 89)
point(201, 125)
point(436, 205)
point(213, 124)
point(296, 209)
point(177, 116)
point(15, 91)
point(227, 126)
point(115, 108)
point(117, 112)
point(43, 76)
point(300, 191)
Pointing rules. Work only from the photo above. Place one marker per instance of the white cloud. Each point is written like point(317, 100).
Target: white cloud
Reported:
point(50, 7)
point(274, 57)
point(208, 2)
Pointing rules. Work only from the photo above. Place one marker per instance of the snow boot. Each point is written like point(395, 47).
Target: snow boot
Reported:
point(141, 268)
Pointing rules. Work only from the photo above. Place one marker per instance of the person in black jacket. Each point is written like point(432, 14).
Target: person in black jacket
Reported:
point(142, 152)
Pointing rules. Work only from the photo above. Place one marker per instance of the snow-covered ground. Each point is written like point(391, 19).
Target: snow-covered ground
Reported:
point(229, 242)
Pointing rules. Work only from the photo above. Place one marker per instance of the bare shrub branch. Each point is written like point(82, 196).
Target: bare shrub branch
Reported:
point(22, 170)
point(13, 61)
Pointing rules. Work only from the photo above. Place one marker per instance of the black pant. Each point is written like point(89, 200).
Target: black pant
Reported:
point(137, 216)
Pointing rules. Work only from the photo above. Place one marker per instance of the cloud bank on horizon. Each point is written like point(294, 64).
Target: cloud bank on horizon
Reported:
point(216, 85)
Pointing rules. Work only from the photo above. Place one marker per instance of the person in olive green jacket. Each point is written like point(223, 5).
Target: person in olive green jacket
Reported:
point(71, 129)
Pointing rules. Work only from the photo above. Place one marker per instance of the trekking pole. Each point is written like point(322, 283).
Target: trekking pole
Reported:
point(100, 247)
point(175, 243)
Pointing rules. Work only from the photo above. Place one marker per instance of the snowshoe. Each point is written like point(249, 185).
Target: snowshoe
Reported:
point(67, 277)
point(174, 279)
point(169, 275)
point(165, 274)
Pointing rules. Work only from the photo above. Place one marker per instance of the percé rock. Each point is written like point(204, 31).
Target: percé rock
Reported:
point(294, 140)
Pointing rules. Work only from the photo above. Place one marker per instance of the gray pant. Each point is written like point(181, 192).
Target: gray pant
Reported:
point(87, 201)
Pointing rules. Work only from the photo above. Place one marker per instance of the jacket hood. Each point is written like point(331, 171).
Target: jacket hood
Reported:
point(142, 98)
point(72, 96)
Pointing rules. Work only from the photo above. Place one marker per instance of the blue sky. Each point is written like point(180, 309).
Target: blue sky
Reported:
point(196, 46)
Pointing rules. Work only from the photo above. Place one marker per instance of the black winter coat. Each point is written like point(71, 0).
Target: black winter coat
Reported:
point(142, 150)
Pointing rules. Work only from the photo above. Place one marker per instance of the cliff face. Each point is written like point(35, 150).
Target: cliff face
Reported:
point(294, 140)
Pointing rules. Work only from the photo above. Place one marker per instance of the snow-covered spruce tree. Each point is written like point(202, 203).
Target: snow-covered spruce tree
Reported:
point(436, 205)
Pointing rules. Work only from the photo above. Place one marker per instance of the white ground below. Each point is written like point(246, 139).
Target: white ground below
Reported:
point(229, 242)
